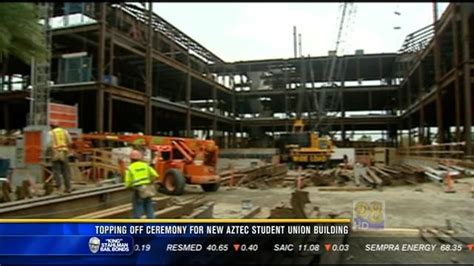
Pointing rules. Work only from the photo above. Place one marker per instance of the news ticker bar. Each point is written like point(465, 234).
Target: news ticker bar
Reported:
point(177, 221)
point(58, 237)
point(207, 240)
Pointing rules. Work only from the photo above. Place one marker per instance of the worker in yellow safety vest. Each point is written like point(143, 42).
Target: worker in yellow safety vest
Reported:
point(60, 143)
point(139, 176)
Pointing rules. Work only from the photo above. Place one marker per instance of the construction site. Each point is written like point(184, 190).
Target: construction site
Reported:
point(274, 138)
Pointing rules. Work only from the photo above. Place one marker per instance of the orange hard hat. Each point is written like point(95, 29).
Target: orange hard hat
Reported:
point(135, 155)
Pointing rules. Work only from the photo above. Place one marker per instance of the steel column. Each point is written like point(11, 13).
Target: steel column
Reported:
point(110, 113)
point(111, 73)
point(214, 108)
point(409, 90)
point(467, 81)
point(188, 98)
point(285, 76)
point(421, 86)
point(149, 73)
point(234, 115)
point(343, 114)
point(457, 96)
point(437, 70)
point(101, 63)
point(410, 139)
point(6, 116)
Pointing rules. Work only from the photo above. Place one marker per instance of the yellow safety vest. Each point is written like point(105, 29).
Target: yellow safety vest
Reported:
point(139, 173)
point(60, 139)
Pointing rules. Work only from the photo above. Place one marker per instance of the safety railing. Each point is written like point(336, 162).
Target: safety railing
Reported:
point(446, 150)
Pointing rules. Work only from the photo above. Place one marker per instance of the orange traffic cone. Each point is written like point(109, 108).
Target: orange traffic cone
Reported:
point(299, 180)
point(449, 184)
point(299, 183)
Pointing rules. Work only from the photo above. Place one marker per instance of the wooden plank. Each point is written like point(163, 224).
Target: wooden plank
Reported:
point(388, 170)
point(374, 177)
point(175, 211)
point(251, 213)
point(378, 170)
point(368, 179)
point(354, 189)
point(121, 211)
point(203, 212)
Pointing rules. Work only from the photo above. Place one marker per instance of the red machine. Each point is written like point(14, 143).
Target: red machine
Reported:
point(177, 160)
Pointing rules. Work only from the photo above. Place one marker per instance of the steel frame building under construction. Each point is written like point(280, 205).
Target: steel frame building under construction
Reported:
point(143, 74)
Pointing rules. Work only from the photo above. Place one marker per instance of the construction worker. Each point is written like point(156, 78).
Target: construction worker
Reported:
point(140, 174)
point(60, 144)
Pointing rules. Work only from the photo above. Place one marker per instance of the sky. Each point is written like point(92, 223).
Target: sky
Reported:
point(252, 31)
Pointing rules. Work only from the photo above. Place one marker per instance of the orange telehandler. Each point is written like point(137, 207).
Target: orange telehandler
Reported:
point(177, 160)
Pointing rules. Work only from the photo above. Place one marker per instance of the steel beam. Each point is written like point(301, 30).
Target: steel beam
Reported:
point(129, 44)
point(126, 93)
point(358, 89)
point(66, 206)
point(75, 30)
point(447, 16)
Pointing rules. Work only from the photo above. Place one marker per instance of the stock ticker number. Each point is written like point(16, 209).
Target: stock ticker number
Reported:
point(450, 247)
point(143, 247)
point(341, 247)
point(218, 247)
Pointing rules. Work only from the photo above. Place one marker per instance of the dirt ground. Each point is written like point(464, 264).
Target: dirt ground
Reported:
point(406, 206)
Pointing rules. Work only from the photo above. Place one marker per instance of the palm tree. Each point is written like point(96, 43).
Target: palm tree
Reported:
point(20, 32)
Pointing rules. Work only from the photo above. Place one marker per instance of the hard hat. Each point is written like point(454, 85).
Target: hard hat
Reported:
point(135, 155)
point(53, 123)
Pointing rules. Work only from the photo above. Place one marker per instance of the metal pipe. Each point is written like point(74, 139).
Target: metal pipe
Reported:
point(299, 45)
point(294, 42)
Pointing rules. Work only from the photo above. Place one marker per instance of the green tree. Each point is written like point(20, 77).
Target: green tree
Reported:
point(21, 33)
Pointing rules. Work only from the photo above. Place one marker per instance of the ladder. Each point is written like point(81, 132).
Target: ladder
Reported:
point(41, 74)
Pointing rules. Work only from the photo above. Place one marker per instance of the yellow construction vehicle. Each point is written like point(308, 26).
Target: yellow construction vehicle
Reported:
point(304, 148)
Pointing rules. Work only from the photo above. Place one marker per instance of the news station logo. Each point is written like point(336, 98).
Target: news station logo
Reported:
point(110, 245)
point(368, 214)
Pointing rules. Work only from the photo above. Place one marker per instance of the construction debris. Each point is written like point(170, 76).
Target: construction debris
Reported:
point(296, 209)
point(272, 175)
point(255, 177)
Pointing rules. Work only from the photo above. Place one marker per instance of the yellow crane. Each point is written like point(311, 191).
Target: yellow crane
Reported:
point(302, 147)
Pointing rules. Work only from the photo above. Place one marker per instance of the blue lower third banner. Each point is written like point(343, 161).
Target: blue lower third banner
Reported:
point(214, 241)
point(160, 242)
